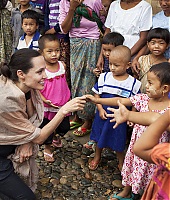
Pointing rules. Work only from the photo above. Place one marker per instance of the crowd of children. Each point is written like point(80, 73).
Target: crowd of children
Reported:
point(116, 51)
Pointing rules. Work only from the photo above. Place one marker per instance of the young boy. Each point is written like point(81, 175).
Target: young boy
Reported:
point(30, 22)
point(109, 42)
point(116, 83)
point(16, 20)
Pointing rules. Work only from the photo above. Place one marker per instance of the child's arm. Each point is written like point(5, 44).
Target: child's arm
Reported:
point(48, 102)
point(102, 112)
point(123, 114)
point(151, 136)
point(109, 101)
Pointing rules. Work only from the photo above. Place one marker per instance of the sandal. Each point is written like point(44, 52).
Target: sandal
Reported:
point(81, 131)
point(89, 144)
point(121, 198)
point(57, 142)
point(48, 157)
point(74, 125)
point(93, 165)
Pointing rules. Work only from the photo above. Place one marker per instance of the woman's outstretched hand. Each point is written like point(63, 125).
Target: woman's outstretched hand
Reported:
point(73, 105)
point(119, 115)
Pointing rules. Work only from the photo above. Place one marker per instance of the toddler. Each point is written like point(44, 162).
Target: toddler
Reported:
point(109, 42)
point(56, 92)
point(136, 173)
point(112, 84)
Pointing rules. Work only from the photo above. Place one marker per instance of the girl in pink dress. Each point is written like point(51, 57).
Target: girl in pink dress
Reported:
point(56, 92)
point(136, 173)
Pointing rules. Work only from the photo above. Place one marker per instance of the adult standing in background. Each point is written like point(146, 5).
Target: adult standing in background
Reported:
point(81, 20)
point(5, 31)
point(132, 19)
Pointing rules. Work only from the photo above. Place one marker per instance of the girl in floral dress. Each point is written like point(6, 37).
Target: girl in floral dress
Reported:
point(136, 173)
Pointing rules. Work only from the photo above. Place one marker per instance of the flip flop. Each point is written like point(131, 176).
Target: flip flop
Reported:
point(48, 155)
point(89, 144)
point(121, 198)
point(93, 165)
point(81, 131)
point(74, 125)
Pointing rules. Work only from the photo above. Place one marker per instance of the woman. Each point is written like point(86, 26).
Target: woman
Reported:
point(5, 31)
point(21, 113)
point(82, 22)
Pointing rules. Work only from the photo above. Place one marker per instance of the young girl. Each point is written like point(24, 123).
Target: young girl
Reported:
point(147, 147)
point(110, 84)
point(136, 173)
point(157, 42)
point(56, 92)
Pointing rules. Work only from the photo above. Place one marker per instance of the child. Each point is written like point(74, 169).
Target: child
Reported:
point(111, 84)
point(109, 42)
point(136, 173)
point(30, 22)
point(16, 20)
point(147, 148)
point(51, 16)
point(56, 92)
point(157, 42)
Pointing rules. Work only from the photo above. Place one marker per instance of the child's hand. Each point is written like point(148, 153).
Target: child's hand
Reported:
point(103, 12)
point(102, 114)
point(135, 66)
point(120, 115)
point(50, 104)
point(91, 98)
point(96, 72)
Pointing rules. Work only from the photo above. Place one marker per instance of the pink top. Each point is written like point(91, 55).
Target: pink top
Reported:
point(87, 29)
point(56, 88)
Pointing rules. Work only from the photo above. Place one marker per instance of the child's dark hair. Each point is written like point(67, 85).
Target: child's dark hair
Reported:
point(113, 38)
point(20, 60)
point(159, 33)
point(162, 71)
point(30, 14)
point(44, 38)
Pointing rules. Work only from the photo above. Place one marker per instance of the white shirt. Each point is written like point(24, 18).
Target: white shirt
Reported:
point(129, 22)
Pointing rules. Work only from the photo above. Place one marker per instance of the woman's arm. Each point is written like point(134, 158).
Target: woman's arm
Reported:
point(67, 23)
point(151, 136)
point(71, 106)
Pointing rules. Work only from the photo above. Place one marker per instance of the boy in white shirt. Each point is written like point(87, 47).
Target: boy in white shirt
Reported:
point(30, 23)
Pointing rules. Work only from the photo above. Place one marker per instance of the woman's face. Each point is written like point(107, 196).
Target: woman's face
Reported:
point(35, 77)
